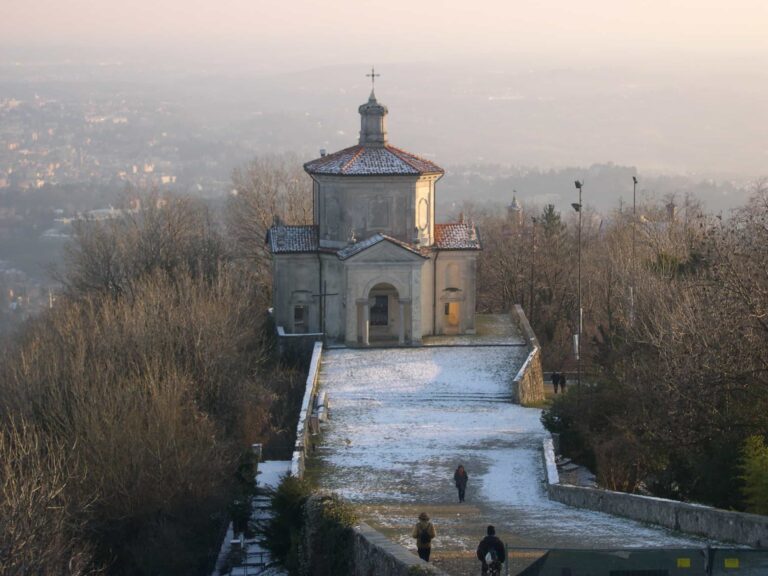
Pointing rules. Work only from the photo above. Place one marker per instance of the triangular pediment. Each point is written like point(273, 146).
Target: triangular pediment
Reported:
point(385, 251)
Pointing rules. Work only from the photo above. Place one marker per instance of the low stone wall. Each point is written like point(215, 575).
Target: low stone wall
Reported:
point(712, 523)
point(296, 346)
point(375, 555)
point(528, 383)
point(302, 428)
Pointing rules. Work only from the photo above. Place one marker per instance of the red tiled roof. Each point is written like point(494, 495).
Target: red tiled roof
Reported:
point(292, 239)
point(372, 160)
point(456, 236)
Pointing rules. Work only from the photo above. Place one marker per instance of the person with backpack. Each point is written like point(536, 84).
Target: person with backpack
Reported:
point(460, 478)
point(491, 552)
point(424, 532)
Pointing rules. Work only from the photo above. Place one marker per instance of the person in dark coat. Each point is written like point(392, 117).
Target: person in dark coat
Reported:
point(424, 532)
point(563, 382)
point(491, 551)
point(555, 380)
point(460, 477)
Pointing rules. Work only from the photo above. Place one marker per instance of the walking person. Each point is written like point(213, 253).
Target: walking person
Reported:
point(492, 553)
point(563, 382)
point(460, 477)
point(424, 532)
point(555, 380)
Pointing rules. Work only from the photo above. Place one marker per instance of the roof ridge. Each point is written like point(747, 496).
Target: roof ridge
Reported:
point(355, 156)
point(331, 156)
point(401, 243)
point(397, 151)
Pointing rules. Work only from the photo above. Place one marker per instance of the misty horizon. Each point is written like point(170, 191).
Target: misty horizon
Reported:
point(667, 88)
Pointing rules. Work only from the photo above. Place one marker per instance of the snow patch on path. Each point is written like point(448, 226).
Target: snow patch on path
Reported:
point(403, 419)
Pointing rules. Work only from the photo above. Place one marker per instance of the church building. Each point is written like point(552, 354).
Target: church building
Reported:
point(374, 266)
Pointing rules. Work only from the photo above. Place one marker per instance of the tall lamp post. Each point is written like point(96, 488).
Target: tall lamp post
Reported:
point(632, 289)
point(533, 264)
point(577, 346)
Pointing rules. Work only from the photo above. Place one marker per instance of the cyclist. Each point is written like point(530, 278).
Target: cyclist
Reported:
point(492, 553)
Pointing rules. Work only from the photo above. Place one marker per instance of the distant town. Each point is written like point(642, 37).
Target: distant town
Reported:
point(82, 146)
point(67, 158)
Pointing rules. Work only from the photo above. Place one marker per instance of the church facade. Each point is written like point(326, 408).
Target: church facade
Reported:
point(374, 266)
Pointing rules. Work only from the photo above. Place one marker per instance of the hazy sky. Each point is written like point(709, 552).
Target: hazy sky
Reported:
point(667, 85)
point(297, 33)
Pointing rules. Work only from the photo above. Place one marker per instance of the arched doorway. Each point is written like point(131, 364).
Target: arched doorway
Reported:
point(384, 316)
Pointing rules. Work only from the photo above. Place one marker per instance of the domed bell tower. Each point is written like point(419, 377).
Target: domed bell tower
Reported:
point(373, 131)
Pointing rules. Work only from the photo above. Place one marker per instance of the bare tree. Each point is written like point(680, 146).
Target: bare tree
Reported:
point(268, 188)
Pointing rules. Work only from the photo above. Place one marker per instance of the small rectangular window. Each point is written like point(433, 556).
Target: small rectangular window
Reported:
point(447, 308)
point(299, 315)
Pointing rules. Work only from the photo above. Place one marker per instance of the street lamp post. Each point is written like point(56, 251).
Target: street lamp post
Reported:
point(533, 264)
point(632, 289)
point(578, 208)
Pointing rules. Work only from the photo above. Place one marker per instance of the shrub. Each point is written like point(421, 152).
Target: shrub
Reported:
point(755, 474)
point(281, 534)
point(38, 533)
point(328, 536)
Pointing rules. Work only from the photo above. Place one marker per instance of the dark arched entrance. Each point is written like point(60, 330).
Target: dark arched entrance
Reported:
point(383, 313)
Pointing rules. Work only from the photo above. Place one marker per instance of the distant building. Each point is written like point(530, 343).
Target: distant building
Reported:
point(514, 223)
point(374, 265)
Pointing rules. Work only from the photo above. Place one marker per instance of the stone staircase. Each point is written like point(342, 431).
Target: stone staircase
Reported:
point(242, 556)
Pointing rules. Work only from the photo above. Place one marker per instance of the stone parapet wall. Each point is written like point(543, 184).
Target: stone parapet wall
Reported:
point(293, 346)
point(375, 555)
point(302, 428)
point(711, 523)
point(528, 383)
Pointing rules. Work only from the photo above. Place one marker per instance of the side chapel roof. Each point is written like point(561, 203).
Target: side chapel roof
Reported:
point(457, 236)
point(284, 239)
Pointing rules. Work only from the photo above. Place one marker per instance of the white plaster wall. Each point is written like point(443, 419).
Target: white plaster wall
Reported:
point(295, 278)
point(427, 291)
point(466, 264)
point(335, 303)
point(349, 198)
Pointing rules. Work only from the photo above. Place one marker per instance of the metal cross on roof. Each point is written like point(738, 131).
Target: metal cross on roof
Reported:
point(373, 77)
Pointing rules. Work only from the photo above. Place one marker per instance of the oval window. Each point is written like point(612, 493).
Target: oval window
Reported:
point(423, 214)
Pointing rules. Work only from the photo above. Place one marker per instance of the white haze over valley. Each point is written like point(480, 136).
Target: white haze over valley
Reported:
point(673, 87)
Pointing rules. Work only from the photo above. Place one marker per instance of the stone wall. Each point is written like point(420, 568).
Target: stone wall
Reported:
point(375, 555)
point(528, 383)
point(296, 346)
point(302, 428)
point(712, 523)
